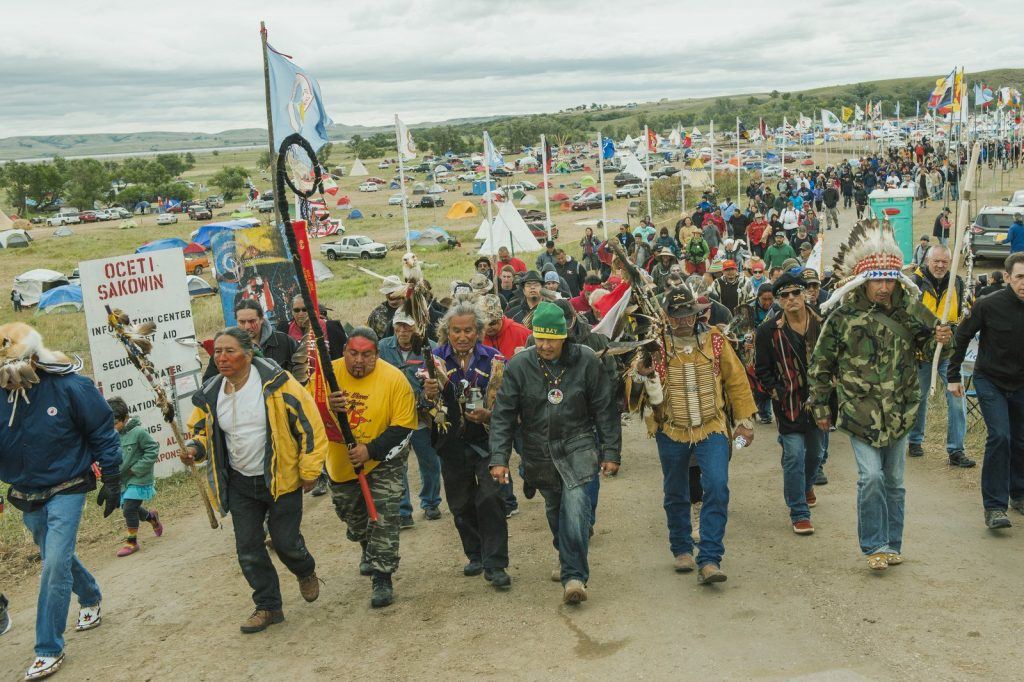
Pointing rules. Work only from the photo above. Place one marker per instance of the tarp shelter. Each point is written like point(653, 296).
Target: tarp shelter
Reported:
point(205, 233)
point(33, 283)
point(462, 209)
point(161, 244)
point(355, 214)
point(5, 221)
point(194, 248)
point(63, 231)
point(321, 271)
point(419, 188)
point(511, 231)
point(432, 236)
point(197, 286)
point(62, 299)
point(358, 169)
point(14, 239)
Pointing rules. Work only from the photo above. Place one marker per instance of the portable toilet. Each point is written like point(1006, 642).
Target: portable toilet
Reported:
point(480, 187)
point(896, 206)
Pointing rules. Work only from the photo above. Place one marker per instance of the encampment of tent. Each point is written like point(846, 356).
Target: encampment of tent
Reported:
point(14, 239)
point(358, 169)
point(33, 283)
point(511, 231)
point(197, 286)
point(63, 299)
point(462, 209)
point(161, 244)
point(63, 231)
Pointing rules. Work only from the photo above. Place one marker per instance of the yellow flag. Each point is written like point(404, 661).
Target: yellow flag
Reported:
point(847, 113)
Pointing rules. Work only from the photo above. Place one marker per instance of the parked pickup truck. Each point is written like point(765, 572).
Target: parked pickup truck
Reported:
point(353, 247)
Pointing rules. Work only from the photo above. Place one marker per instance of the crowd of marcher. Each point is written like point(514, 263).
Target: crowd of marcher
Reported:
point(548, 362)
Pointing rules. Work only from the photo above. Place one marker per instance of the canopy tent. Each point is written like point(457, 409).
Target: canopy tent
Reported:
point(5, 221)
point(432, 236)
point(63, 299)
point(162, 244)
point(33, 283)
point(511, 231)
point(14, 239)
point(63, 231)
point(197, 286)
point(358, 169)
point(205, 233)
point(462, 209)
point(321, 271)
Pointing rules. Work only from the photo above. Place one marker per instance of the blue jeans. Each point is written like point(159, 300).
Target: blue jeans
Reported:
point(800, 453)
point(54, 529)
point(764, 408)
point(880, 495)
point(956, 409)
point(569, 517)
point(593, 493)
point(1002, 472)
point(430, 474)
point(712, 455)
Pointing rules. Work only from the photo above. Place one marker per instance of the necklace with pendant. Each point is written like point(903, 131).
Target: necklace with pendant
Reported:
point(555, 395)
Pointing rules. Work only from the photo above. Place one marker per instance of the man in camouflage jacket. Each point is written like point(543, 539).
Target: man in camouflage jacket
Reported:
point(866, 353)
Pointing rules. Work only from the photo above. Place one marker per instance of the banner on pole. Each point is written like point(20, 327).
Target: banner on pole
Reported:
point(253, 263)
point(149, 286)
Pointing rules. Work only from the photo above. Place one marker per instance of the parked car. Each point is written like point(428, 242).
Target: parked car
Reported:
point(629, 191)
point(197, 265)
point(625, 179)
point(586, 203)
point(88, 217)
point(199, 212)
point(369, 186)
point(353, 247)
point(63, 219)
point(119, 213)
point(166, 219)
point(664, 172)
point(470, 176)
point(215, 201)
point(540, 232)
point(988, 231)
point(376, 180)
point(501, 173)
point(102, 214)
point(384, 164)
point(633, 209)
point(429, 201)
point(1016, 199)
point(264, 206)
point(395, 200)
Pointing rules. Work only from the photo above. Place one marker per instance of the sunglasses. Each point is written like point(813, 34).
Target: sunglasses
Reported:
point(790, 294)
point(758, 272)
point(298, 310)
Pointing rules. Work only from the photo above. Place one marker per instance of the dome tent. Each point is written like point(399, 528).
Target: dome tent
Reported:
point(14, 239)
point(34, 283)
point(197, 286)
point(62, 299)
point(462, 209)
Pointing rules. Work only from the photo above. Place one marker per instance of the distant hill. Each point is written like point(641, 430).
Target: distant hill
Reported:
point(771, 105)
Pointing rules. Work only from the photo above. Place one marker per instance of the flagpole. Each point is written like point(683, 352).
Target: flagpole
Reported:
point(682, 193)
point(737, 162)
point(401, 180)
point(600, 166)
point(782, 158)
point(711, 134)
point(544, 168)
point(490, 210)
point(647, 163)
point(270, 117)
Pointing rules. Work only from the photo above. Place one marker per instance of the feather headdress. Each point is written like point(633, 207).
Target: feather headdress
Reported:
point(871, 252)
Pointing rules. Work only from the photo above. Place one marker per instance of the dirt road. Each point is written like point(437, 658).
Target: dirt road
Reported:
point(793, 606)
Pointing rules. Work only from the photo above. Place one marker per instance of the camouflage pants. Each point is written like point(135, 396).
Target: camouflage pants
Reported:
point(380, 538)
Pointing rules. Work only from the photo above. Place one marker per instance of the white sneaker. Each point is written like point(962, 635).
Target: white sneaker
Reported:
point(88, 618)
point(44, 666)
point(575, 592)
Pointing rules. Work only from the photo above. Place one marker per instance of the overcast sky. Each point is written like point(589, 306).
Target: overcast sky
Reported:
point(114, 66)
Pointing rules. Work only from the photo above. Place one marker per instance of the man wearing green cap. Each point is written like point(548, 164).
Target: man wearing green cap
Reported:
point(560, 389)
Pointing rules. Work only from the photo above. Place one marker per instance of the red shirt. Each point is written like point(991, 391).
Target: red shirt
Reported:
point(517, 265)
point(512, 335)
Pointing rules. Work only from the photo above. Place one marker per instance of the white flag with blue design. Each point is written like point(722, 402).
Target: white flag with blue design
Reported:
point(295, 103)
point(492, 157)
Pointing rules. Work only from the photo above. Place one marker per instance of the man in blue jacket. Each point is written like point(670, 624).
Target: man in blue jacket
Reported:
point(1015, 235)
point(57, 426)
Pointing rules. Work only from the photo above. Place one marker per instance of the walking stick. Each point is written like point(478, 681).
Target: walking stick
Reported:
point(962, 221)
point(295, 152)
point(138, 348)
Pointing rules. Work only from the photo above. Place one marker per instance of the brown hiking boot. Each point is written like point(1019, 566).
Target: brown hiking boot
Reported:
point(684, 563)
point(309, 587)
point(574, 592)
point(261, 619)
point(710, 573)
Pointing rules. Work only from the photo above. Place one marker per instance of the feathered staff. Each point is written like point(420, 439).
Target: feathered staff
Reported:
point(417, 307)
point(651, 327)
point(135, 340)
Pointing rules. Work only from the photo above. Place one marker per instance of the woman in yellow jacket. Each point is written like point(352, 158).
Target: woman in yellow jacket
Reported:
point(263, 437)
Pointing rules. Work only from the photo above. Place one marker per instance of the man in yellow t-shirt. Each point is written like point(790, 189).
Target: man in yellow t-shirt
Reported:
point(381, 410)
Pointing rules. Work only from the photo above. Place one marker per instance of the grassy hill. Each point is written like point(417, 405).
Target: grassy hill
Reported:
point(612, 121)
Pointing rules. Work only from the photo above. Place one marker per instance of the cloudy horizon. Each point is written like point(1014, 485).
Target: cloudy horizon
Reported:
point(192, 67)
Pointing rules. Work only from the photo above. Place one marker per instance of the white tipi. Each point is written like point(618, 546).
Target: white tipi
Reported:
point(358, 169)
point(511, 231)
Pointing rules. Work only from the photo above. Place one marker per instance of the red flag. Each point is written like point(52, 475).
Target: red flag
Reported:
point(687, 141)
point(762, 128)
point(547, 154)
point(652, 140)
point(317, 385)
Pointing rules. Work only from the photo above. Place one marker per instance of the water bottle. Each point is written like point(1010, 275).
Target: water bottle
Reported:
point(739, 443)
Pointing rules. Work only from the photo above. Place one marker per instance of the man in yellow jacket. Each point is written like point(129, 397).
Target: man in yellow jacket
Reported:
point(381, 410)
point(263, 437)
point(932, 278)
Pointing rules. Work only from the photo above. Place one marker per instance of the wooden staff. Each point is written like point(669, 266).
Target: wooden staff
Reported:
point(958, 234)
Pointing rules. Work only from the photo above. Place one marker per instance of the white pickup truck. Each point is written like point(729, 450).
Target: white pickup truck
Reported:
point(353, 247)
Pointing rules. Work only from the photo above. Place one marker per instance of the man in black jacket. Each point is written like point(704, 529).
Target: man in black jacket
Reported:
point(274, 345)
point(831, 199)
point(782, 350)
point(571, 272)
point(561, 390)
point(999, 381)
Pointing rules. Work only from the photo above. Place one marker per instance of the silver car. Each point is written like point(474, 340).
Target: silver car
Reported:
point(988, 231)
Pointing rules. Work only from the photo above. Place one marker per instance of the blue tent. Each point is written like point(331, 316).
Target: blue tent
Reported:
point(161, 244)
point(62, 299)
point(355, 214)
point(205, 233)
